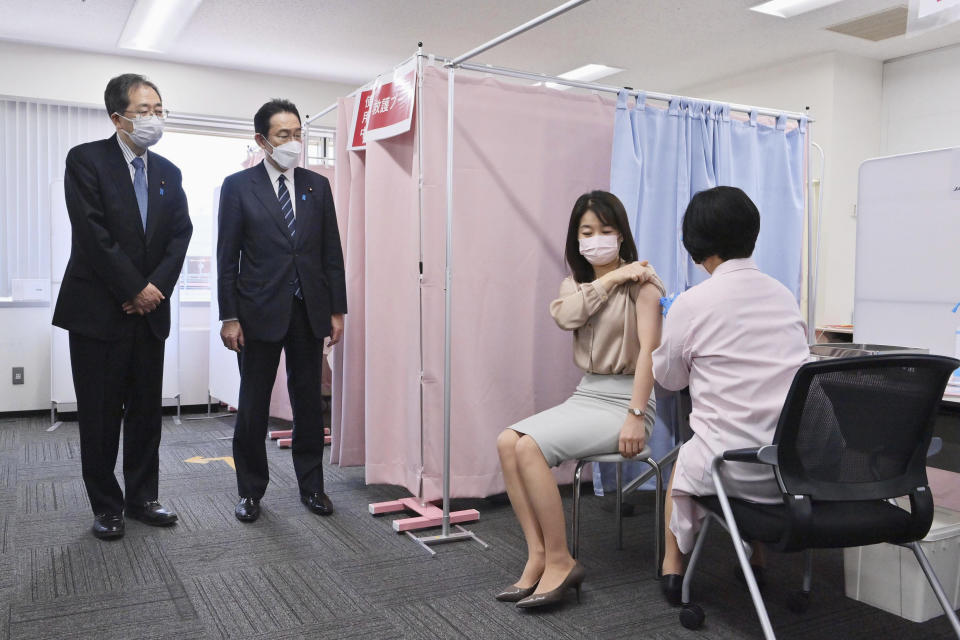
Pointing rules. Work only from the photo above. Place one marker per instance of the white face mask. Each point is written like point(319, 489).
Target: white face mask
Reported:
point(600, 250)
point(286, 155)
point(146, 131)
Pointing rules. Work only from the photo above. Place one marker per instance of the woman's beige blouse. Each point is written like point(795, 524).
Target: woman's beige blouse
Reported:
point(604, 326)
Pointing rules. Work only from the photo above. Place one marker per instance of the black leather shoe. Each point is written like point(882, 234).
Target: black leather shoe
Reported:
point(108, 526)
point(672, 586)
point(247, 510)
point(152, 513)
point(319, 503)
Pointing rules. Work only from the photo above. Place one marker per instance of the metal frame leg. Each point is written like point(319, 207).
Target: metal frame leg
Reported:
point(738, 545)
point(935, 585)
point(807, 570)
point(658, 537)
point(619, 506)
point(575, 520)
point(694, 557)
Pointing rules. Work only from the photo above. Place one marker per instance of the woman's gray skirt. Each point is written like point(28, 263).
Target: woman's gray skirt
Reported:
point(589, 422)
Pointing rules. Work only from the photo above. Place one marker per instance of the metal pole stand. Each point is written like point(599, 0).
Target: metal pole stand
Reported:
point(210, 413)
point(461, 534)
point(429, 516)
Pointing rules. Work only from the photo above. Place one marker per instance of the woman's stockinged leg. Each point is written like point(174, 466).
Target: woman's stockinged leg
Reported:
point(672, 558)
point(507, 449)
point(544, 496)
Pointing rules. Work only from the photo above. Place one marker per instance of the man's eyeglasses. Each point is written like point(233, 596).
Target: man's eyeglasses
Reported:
point(160, 113)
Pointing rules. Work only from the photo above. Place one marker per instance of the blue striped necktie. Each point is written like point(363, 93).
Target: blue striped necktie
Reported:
point(140, 188)
point(286, 206)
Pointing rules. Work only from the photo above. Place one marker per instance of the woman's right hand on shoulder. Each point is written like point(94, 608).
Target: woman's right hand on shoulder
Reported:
point(635, 272)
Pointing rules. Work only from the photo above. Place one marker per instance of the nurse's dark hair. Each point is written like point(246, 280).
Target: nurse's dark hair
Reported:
point(261, 121)
point(116, 97)
point(722, 221)
point(609, 209)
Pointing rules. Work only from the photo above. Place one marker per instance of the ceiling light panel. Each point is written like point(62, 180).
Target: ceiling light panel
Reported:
point(791, 8)
point(586, 73)
point(154, 25)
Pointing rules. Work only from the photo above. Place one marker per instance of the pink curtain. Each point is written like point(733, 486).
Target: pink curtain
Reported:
point(347, 411)
point(522, 155)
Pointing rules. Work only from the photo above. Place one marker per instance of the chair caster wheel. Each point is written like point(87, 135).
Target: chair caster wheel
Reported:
point(691, 616)
point(799, 602)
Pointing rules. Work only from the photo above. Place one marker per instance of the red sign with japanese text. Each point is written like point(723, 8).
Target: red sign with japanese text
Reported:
point(391, 106)
point(361, 116)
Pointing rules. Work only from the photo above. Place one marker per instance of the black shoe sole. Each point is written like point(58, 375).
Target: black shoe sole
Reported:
point(103, 535)
point(153, 523)
point(246, 518)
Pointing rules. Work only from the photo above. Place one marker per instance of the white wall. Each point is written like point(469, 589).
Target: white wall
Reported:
point(921, 102)
point(844, 96)
point(80, 77)
point(25, 342)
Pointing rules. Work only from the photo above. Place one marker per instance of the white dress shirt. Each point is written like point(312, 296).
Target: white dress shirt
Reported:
point(275, 174)
point(129, 155)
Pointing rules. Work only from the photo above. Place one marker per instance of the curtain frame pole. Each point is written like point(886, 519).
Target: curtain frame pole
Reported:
point(448, 306)
point(813, 246)
point(811, 288)
point(322, 113)
point(591, 86)
point(526, 26)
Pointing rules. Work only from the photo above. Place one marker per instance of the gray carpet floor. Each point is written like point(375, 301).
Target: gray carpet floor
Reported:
point(295, 575)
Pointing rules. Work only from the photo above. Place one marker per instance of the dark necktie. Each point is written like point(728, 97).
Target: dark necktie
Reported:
point(140, 187)
point(286, 206)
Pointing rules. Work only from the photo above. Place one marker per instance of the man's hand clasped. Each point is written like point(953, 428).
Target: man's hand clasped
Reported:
point(144, 302)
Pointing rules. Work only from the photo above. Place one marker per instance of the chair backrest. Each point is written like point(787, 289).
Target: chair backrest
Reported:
point(859, 428)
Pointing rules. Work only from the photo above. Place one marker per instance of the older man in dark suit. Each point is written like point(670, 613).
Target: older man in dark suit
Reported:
point(281, 287)
point(130, 228)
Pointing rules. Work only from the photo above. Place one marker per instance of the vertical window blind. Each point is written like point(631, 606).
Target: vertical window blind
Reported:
point(34, 140)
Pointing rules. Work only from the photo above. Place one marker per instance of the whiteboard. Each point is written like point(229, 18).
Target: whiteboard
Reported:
point(224, 371)
point(908, 242)
point(61, 375)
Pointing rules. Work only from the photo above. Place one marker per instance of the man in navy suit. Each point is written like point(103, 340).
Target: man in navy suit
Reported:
point(130, 229)
point(280, 286)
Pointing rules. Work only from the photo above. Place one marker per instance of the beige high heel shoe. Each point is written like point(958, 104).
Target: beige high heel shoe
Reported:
point(514, 593)
point(574, 579)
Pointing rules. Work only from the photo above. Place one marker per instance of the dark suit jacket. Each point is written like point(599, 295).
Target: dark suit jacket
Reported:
point(111, 258)
point(257, 258)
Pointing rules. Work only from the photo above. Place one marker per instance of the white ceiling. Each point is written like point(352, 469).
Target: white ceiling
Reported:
point(663, 45)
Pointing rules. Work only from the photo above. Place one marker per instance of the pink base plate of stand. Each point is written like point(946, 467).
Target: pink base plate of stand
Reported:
point(430, 515)
point(284, 437)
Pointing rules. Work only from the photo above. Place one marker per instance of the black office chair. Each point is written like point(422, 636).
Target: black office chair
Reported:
point(853, 434)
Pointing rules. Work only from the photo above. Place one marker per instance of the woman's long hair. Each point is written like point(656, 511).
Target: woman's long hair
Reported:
point(610, 210)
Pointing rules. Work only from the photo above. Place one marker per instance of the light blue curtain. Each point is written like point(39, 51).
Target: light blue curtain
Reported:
point(661, 158)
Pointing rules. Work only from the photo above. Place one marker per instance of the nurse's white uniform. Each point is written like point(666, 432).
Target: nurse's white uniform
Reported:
point(736, 340)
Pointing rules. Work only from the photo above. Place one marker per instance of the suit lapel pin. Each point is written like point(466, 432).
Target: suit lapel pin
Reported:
point(162, 183)
point(304, 197)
